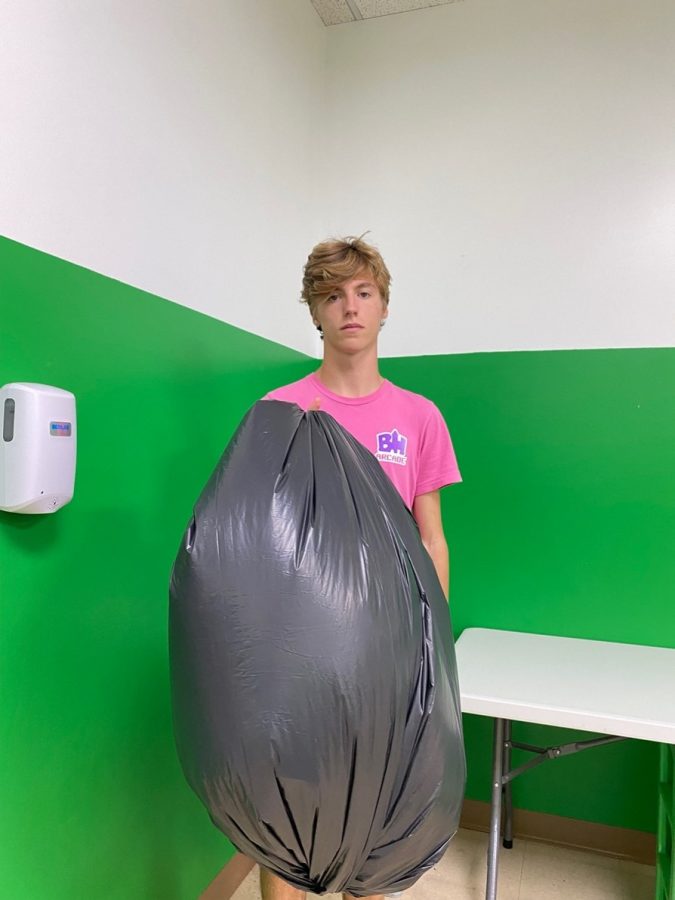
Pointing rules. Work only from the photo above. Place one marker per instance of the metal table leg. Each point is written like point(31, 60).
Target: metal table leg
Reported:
point(507, 842)
point(495, 815)
point(665, 836)
point(503, 775)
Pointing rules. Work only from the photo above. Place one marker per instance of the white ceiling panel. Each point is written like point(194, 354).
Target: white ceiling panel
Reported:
point(336, 12)
point(333, 12)
point(370, 9)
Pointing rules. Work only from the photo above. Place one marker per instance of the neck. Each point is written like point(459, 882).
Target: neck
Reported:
point(351, 376)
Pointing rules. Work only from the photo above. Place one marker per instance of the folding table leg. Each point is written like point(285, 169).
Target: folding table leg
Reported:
point(665, 842)
point(508, 803)
point(496, 811)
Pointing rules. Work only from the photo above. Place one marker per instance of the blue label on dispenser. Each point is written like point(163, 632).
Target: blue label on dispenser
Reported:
point(60, 429)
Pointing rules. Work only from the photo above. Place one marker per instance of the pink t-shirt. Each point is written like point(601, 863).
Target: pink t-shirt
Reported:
point(405, 431)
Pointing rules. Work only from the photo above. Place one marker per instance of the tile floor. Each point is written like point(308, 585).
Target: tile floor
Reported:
point(530, 871)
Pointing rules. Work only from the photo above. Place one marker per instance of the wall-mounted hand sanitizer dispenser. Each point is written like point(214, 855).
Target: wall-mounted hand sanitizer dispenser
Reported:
point(37, 448)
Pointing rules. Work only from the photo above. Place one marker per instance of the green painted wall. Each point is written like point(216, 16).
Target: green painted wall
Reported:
point(94, 803)
point(565, 524)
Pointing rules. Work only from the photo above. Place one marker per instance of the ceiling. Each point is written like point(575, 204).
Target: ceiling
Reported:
point(336, 12)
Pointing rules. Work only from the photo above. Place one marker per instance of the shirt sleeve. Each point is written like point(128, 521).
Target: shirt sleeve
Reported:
point(438, 463)
point(290, 393)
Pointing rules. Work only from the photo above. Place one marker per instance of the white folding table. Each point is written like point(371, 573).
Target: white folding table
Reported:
point(619, 690)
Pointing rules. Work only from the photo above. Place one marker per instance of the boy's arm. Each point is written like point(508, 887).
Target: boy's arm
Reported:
point(427, 512)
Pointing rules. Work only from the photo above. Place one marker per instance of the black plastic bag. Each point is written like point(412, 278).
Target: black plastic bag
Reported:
point(316, 706)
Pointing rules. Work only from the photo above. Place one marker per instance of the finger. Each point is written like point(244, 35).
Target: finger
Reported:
point(314, 405)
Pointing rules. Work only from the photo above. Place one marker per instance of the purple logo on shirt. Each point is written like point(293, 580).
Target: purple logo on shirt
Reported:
point(391, 447)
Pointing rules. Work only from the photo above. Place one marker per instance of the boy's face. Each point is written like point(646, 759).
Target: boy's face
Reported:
point(350, 317)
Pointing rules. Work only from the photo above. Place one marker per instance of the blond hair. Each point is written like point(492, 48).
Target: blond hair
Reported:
point(332, 262)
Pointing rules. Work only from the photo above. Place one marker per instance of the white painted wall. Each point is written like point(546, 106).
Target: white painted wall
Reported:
point(515, 162)
point(167, 144)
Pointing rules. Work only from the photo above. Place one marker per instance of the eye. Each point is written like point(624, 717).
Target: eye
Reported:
point(364, 294)
point(331, 299)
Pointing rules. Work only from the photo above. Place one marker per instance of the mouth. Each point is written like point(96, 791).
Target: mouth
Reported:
point(351, 327)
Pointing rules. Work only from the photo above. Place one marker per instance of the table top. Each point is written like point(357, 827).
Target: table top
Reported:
point(620, 689)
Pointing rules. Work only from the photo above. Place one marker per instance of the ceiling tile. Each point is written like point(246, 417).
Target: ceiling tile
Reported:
point(371, 8)
point(333, 12)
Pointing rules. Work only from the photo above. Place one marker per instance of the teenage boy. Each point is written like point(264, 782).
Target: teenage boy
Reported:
point(346, 286)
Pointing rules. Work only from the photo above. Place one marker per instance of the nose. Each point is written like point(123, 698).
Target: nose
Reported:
point(350, 305)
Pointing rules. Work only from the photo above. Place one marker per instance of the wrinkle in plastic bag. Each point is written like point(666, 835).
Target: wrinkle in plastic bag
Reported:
point(315, 697)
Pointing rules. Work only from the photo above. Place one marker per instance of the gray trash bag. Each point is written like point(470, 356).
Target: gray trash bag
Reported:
point(315, 697)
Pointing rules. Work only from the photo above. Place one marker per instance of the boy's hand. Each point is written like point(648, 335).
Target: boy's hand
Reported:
point(314, 405)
